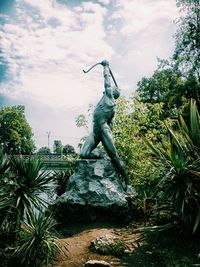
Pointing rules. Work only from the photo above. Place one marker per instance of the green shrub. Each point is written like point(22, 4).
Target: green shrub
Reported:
point(37, 244)
point(115, 247)
point(61, 179)
point(22, 191)
point(179, 186)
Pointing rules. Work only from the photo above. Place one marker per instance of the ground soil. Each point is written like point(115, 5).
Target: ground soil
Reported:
point(78, 245)
point(164, 250)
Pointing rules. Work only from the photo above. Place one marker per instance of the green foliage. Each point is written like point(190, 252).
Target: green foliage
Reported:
point(57, 147)
point(115, 247)
point(81, 121)
point(168, 88)
point(22, 183)
point(44, 150)
point(160, 87)
point(22, 191)
point(15, 132)
point(68, 150)
point(61, 179)
point(4, 167)
point(192, 132)
point(179, 187)
point(37, 245)
point(187, 52)
point(133, 120)
point(169, 248)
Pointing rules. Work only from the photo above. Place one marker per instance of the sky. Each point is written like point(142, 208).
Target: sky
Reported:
point(45, 45)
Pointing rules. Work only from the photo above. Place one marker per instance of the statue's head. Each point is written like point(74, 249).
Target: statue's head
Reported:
point(116, 92)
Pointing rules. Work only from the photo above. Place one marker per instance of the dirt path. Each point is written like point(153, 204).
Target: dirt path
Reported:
point(79, 252)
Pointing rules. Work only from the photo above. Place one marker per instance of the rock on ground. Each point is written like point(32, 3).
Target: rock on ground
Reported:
point(95, 263)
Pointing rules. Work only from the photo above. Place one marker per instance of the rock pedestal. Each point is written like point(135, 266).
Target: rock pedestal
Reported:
point(94, 190)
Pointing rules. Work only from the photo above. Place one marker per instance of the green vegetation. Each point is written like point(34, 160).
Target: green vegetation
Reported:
point(133, 121)
point(116, 247)
point(21, 191)
point(157, 135)
point(27, 232)
point(180, 183)
point(37, 245)
point(15, 132)
point(61, 177)
point(187, 51)
point(57, 147)
point(44, 150)
point(68, 150)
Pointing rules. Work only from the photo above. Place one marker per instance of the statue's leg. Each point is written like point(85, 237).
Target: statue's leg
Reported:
point(108, 143)
point(89, 145)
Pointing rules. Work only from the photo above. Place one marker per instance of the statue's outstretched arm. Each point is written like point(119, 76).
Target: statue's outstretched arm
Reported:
point(106, 74)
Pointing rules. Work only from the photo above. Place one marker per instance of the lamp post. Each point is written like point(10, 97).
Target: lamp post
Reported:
point(48, 137)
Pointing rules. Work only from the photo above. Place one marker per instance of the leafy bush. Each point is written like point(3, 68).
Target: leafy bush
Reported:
point(61, 179)
point(179, 186)
point(4, 167)
point(108, 245)
point(115, 249)
point(134, 120)
point(22, 191)
point(37, 245)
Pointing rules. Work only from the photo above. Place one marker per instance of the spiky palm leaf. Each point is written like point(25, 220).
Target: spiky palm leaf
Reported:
point(181, 158)
point(61, 179)
point(38, 246)
point(191, 132)
point(29, 181)
point(4, 166)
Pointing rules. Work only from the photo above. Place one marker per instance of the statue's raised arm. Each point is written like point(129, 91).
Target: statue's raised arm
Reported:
point(107, 82)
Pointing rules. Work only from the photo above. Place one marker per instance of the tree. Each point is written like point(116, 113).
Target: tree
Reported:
point(178, 80)
point(187, 51)
point(165, 86)
point(169, 87)
point(133, 121)
point(15, 133)
point(44, 150)
point(58, 147)
point(68, 150)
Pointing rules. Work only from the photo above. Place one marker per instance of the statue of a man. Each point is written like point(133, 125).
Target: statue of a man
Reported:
point(102, 125)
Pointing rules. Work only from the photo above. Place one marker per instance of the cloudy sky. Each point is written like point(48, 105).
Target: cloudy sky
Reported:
point(45, 44)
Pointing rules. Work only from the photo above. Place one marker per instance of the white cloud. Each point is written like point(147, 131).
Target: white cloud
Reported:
point(48, 61)
point(141, 31)
point(140, 15)
point(49, 44)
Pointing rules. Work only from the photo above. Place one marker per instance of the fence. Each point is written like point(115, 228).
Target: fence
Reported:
point(50, 161)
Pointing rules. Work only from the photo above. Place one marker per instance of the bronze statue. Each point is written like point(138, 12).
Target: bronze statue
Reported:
point(102, 123)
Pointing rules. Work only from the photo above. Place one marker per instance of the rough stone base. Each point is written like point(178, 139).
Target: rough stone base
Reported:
point(94, 190)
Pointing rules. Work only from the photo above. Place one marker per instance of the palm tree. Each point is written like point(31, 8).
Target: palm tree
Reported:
point(24, 190)
point(37, 246)
point(180, 156)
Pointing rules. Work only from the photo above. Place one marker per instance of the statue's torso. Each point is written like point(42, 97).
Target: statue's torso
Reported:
point(105, 109)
